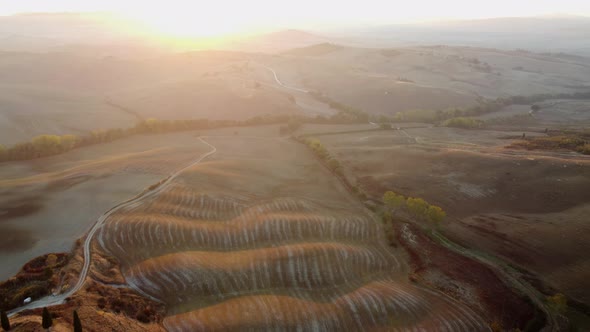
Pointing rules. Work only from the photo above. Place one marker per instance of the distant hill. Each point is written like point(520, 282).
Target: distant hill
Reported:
point(278, 41)
point(314, 50)
point(549, 34)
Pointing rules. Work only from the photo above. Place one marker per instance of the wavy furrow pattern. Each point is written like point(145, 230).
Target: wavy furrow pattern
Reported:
point(226, 261)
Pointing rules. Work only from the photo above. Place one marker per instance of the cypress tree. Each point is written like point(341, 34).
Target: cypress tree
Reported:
point(77, 323)
point(4, 320)
point(46, 319)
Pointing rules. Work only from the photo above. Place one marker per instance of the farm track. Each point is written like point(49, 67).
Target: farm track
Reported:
point(59, 299)
point(509, 275)
point(222, 261)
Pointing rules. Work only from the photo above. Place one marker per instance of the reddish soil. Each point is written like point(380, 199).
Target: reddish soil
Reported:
point(102, 305)
point(36, 279)
point(462, 278)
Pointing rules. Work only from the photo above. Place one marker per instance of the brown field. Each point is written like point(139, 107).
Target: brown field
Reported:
point(71, 93)
point(261, 236)
point(48, 203)
point(527, 207)
point(385, 81)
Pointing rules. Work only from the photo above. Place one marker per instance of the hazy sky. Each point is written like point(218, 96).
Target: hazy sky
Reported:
point(218, 16)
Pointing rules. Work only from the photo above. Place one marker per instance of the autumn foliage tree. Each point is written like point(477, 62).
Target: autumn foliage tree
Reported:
point(417, 207)
point(558, 302)
point(393, 201)
point(436, 214)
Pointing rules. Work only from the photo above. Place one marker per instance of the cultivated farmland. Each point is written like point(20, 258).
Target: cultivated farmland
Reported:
point(261, 236)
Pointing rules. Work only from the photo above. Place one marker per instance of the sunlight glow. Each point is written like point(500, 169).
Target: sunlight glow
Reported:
point(187, 23)
point(187, 19)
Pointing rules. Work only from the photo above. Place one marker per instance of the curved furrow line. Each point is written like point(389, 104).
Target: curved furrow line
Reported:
point(385, 304)
point(305, 266)
point(154, 235)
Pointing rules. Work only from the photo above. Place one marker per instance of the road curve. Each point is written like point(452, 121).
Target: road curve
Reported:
point(281, 83)
point(59, 299)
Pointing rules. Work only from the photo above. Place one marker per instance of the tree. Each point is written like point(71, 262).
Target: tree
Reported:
point(46, 145)
point(334, 165)
point(436, 214)
point(77, 323)
point(417, 206)
point(558, 302)
point(69, 142)
point(46, 319)
point(386, 217)
point(4, 320)
point(393, 201)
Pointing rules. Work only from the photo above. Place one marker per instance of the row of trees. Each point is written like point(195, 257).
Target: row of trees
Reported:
point(47, 145)
point(418, 207)
point(484, 106)
point(578, 142)
point(463, 122)
point(321, 152)
point(46, 321)
point(346, 113)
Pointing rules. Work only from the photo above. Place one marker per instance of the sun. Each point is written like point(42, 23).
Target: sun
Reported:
point(189, 23)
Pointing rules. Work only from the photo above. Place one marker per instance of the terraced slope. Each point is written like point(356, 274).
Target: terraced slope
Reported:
point(261, 237)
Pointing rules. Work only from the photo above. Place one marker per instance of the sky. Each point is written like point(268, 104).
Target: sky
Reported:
point(229, 16)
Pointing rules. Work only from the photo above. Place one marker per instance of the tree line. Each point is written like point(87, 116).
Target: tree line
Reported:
point(321, 152)
point(484, 106)
point(417, 207)
point(47, 145)
point(46, 320)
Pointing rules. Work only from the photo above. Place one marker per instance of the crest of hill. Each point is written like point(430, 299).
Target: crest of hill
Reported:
point(292, 35)
point(315, 50)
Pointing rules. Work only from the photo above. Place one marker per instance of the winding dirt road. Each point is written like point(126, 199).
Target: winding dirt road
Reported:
point(281, 83)
point(59, 299)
